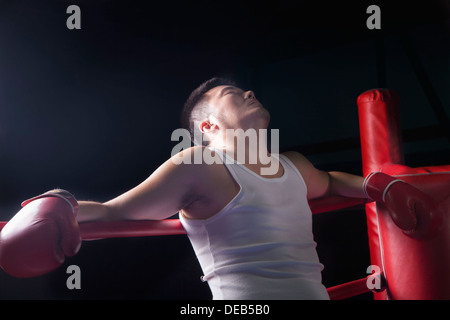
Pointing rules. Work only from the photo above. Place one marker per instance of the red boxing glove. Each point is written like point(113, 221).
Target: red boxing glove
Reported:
point(412, 210)
point(37, 239)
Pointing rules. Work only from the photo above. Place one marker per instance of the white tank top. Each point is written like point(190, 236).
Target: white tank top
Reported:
point(260, 245)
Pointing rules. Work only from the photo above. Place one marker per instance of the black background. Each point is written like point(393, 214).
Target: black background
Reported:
point(92, 111)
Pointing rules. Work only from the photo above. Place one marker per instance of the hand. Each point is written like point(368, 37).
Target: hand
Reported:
point(412, 210)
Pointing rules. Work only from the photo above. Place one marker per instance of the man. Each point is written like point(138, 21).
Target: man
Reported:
point(247, 260)
point(251, 232)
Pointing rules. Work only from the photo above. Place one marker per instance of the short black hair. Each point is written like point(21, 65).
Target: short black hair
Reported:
point(192, 110)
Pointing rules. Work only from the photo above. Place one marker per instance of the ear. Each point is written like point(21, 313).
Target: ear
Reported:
point(208, 126)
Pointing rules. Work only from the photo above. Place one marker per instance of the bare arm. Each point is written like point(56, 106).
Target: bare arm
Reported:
point(321, 183)
point(94, 211)
point(163, 194)
point(346, 185)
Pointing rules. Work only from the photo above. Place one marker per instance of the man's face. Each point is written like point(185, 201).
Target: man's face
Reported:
point(235, 108)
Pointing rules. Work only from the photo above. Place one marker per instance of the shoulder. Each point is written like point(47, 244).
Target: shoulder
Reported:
point(293, 155)
point(196, 158)
point(300, 161)
point(186, 156)
point(317, 181)
point(303, 165)
point(198, 162)
point(212, 185)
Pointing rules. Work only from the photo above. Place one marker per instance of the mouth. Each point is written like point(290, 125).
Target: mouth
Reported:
point(254, 102)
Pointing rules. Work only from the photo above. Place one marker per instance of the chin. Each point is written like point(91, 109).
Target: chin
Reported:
point(258, 116)
point(265, 115)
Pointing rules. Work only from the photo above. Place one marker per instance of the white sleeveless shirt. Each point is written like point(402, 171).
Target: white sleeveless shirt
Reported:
point(260, 246)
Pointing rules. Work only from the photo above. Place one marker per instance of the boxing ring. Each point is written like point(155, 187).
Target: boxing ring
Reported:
point(411, 267)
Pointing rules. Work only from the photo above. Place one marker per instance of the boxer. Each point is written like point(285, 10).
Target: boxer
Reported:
point(251, 233)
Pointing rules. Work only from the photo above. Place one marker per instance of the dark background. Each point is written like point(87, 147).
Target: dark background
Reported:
point(92, 111)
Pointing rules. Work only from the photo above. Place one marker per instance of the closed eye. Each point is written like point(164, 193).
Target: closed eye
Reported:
point(230, 90)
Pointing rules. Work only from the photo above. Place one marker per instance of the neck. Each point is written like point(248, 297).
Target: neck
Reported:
point(247, 147)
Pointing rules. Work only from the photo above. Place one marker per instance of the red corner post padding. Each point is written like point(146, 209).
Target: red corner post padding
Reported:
point(414, 268)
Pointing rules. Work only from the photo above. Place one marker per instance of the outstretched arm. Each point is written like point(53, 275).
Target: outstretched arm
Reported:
point(37, 239)
point(346, 185)
point(166, 191)
point(321, 183)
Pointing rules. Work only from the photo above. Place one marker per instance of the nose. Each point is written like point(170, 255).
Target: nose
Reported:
point(249, 95)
